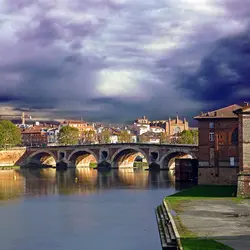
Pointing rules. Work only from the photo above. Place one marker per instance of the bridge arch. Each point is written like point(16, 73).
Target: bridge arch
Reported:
point(167, 161)
point(82, 158)
point(42, 158)
point(126, 156)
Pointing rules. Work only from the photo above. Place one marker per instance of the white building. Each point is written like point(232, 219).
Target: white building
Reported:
point(154, 140)
point(156, 129)
point(134, 138)
point(141, 129)
point(113, 138)
point(52, 136)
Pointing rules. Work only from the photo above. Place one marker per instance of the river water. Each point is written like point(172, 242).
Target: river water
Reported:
point(81, 209)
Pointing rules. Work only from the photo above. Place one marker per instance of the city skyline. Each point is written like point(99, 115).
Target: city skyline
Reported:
point(115, 60)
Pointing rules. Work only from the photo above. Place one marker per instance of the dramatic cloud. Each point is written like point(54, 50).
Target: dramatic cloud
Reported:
point(114, 60)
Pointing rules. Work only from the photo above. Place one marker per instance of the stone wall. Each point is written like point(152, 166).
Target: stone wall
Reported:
point(246, 143)
point(244, 185)
point(225, 176)
point(11, 157)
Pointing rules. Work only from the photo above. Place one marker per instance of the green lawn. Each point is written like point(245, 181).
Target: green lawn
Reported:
point(203, 244)
point(204, 191)
point(189, 240)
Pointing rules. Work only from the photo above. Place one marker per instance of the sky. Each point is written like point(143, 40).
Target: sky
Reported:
point(116, 60)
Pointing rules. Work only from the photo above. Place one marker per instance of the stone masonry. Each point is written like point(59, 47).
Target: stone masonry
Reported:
point(244, 151)
point(112, 154)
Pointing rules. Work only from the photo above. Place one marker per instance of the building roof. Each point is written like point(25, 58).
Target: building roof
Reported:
point(74, 122)
point(245, 110)
point(150, 134)
point(226, 112)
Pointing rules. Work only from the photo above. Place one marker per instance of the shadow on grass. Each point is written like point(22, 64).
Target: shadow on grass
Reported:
point(211, 191)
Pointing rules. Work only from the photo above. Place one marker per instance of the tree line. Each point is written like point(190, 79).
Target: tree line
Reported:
point(70, 135)
point(10, 135)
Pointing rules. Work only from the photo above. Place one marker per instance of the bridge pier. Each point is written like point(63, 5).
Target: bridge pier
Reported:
point(104, 165)
point(155, 166)
point(61, 165)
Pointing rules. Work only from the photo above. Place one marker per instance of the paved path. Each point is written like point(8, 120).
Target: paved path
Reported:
point(223, 219)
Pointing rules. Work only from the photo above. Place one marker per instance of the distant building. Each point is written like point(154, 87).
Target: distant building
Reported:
point(82, 126)
point(114, 136)
point(52, 136)
point(150, 137)
point(34, 137)
point(156, 129)
point(142, 120)
point(171, 126)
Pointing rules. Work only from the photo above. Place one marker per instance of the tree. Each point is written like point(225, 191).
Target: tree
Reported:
point(89, 136)
point(68, 135)
point(188, 137)
point(143, 138)
point(10, 135)
point(104, 137)
point(196, 136)
point(124, 137)
point(164, 138)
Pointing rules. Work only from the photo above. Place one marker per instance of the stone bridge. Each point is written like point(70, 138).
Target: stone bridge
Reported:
point(117, 155)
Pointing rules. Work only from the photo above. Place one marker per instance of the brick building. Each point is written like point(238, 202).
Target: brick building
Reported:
point(34, 137)
point(172, 126)
point(81, 125)
point(218, 146)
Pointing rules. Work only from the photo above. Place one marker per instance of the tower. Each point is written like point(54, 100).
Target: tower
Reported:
point(177, 119)
point(23, 118)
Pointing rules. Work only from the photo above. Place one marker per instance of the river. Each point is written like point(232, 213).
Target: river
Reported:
point(81, 209)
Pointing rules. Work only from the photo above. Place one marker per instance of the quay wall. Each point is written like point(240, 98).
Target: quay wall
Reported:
point(11, 157)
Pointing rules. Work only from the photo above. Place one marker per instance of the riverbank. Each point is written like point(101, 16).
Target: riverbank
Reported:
point(210, 217)
point(9, 167)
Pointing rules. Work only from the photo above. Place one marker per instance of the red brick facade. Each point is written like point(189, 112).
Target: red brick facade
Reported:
point(218, 146)
point(34, 138)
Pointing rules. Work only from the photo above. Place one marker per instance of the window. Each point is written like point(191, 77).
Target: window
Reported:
point(211, 136)
point(211, 124)
point(234, 137)
point(232, 162)
point(177, 130)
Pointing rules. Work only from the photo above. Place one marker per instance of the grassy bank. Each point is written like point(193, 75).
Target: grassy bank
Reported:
point(190, 240)
point(9, 167)
point(93, 165)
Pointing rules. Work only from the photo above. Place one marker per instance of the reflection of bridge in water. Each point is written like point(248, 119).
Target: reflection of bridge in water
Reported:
point(29, 182)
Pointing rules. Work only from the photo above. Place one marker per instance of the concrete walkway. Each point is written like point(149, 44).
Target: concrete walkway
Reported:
point(223, 219)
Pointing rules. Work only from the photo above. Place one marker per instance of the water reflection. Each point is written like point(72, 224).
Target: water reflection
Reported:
point(55, 210)
point(27, 182)
point(12, 184)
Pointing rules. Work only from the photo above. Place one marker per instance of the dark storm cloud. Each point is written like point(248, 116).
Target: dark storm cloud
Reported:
point(118, 59)
point(223, 75)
